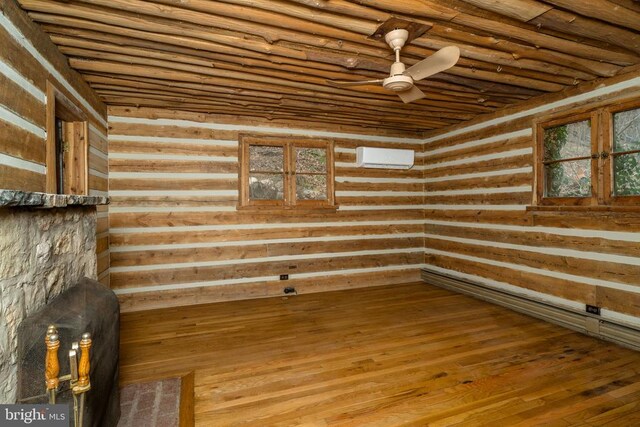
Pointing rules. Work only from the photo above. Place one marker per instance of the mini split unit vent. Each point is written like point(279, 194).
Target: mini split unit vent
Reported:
point(384, 158)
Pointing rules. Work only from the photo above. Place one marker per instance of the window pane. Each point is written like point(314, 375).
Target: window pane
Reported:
point(568, 141)
point(266, 186)
point(266, 158)
point(311, 160)
point(626, 130)
point(311, 187)
point(626, 175)
point(568, 179)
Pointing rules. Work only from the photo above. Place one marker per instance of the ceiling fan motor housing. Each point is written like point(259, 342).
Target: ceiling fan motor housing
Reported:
point(398, 81)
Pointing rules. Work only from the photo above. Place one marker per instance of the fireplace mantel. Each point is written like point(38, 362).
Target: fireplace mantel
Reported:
point(14, 198)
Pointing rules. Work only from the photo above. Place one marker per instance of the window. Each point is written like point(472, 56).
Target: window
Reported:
point(67, 149)
point(286, 173)
point(622, 129)
point(590, 159)
point(566, 165)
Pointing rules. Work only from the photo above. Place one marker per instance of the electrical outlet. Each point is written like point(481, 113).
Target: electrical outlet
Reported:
point(592, 309)
point(284, 277)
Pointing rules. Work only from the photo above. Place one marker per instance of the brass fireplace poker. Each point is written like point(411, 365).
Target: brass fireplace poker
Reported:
point(78, 377)
point(83, 385)
point(52, 367)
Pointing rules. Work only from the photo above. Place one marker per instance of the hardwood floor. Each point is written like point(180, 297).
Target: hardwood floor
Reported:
point(394, 355)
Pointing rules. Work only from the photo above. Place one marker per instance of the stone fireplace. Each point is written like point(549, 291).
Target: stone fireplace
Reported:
point(47, 244)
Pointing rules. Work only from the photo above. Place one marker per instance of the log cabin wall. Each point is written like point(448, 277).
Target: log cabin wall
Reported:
point(177, 237)
point(479, 181)
point(28, 59)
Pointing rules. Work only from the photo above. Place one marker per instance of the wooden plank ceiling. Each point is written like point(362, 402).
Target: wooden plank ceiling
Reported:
point(269, 59)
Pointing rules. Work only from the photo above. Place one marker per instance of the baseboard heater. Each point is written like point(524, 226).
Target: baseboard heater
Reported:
point(586, 323)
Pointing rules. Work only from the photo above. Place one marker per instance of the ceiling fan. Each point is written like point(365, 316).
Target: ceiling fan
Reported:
point(401, 79)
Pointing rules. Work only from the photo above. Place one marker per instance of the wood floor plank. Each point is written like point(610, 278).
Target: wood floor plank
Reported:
point(390, 355)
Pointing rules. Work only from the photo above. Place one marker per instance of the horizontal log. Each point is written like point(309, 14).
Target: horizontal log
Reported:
point(571, 290)
point(21, 102)
point(480, 150)
point(602, 270)
point(102, 263)
point(504, 78)
point(170, 131)
point(539, 239)
point(511, 162)
point(105, 280)
point(232, 235)
point(565, 46)
point(519, 198)
point(102, 244)
point(262, 250)
point(498, 181)
point(522, 50)
point(560, 20)
point(379, 201)
point(173, 201)
point(201, 117)
point(97, 141)
point(378, 186)
point(488, 132)
point(522, 10)
point(161, 219)
point(171, 148)
point(594, 220)
point(102, 225)
point(514, 63)
point(172, 184)
point(12, 53)
point(21, 179)
point(98, 163)
point(189, 166)
point(124, 280)
point(618, 300)
point(342, 171)
point(481, 216)
point(588, 220)
point(352, 144)
point(181, 297)
point(98, 183)
point(601, 9)
point(17, 142)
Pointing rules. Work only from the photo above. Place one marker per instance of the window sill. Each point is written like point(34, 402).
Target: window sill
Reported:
point(327, 209)
point(597, 208)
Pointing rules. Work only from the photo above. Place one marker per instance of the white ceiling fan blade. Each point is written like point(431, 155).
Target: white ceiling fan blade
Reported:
point(347, 83)
point(411, 95)
point(442, 60)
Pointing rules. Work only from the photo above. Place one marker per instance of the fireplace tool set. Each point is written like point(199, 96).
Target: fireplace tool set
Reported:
point(78, 371)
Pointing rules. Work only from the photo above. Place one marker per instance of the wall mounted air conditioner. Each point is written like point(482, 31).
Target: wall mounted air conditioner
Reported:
point(384, 158)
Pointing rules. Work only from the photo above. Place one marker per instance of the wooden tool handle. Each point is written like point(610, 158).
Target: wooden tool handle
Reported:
point(84, 365)
point(52, 366)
